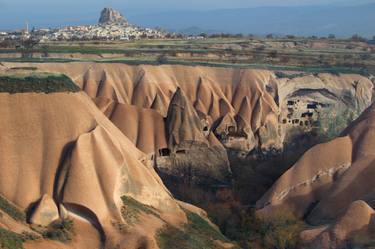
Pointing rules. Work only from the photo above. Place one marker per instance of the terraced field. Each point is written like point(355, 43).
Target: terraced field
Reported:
point(297, 54)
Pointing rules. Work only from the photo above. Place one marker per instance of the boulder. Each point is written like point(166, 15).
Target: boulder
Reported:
point(45, 212)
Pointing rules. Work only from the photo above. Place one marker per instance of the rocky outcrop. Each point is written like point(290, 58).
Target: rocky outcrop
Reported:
point(144, 127)
point(322, 190)
point(182, 123)
point(269, 111)
point(111, 16)
point(59, 151)
point(253, 114)
point(192, 156)
point(324, 185)
point(358, 222)
point(213, 92)
point(45, 212)
point(321, 104)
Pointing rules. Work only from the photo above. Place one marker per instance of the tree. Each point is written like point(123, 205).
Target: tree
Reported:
point(273, 54)
point(358, 38)
point(7, 43)
point(331, 36)
point(203, 35)
point(29, 43)
point(45, 49)
point(28, 46)
point(162, 59)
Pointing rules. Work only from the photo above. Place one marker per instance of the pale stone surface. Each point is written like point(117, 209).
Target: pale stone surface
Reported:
point(45, 212)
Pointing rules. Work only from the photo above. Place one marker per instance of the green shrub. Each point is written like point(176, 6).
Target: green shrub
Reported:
point(132, 208)
point(279, 231)
point(361, 242)
point(24, 68)
point(196, 234)
point(10, 240)
point(37, 83)
point(162, 59)
point(61, 230)
point(11, 210)
point(201, 225)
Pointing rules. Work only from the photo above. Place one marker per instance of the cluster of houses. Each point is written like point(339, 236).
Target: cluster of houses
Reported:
point(88, 32)
point(104, 32)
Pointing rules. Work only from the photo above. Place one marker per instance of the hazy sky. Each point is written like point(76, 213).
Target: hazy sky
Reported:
point(14, 13)
point(151, 4)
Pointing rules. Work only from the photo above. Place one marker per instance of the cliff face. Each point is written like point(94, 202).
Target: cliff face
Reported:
point(323, 185)
point(332, 182)
point(249, 113)
point(182, 121)
point(192, 156)
point(62, 159)
point(245, 109)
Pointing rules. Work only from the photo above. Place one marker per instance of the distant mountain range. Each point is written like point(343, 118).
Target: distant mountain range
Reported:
point(342, 20)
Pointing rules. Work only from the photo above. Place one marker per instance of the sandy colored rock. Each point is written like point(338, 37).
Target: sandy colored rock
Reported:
point(64, 214)
point(354, 223)
point(144, 127)
point(61, 145)
point(45, 212)
point(322, 190)
point(213, 92)
point(72, 128)
point(258, 99)
point(182, 122)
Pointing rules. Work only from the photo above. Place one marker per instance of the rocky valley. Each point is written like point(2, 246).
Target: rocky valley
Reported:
point(108, 155)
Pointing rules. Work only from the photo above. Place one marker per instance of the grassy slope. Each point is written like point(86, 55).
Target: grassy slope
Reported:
point(197, 234)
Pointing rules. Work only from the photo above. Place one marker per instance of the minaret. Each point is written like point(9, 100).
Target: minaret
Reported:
point(27, 27)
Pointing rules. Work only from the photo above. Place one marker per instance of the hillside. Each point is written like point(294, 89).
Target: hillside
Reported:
point(217, 137)
point(71, 179)
point(326, 192)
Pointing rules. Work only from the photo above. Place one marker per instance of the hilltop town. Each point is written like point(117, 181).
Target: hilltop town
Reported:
point(112, 25)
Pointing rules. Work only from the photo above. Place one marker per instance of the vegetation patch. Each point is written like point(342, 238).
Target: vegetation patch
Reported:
point(11, 210)
point(45, 83)
point(280, 74)
point(196, 234)
point(10, 240)
point(61, 230)
point(24, 68)
point(279, 231)
point(362, 241)
point(132, 208)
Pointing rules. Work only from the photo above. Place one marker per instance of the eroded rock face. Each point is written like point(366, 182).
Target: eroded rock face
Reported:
point(252, 113)
point(266, 112)
point(192, 156)
point(357, 222)
point(45, 212)
point(321, 105)
point(62, 146)
point(324, 185)
point(111, 16)
point(182, 122)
